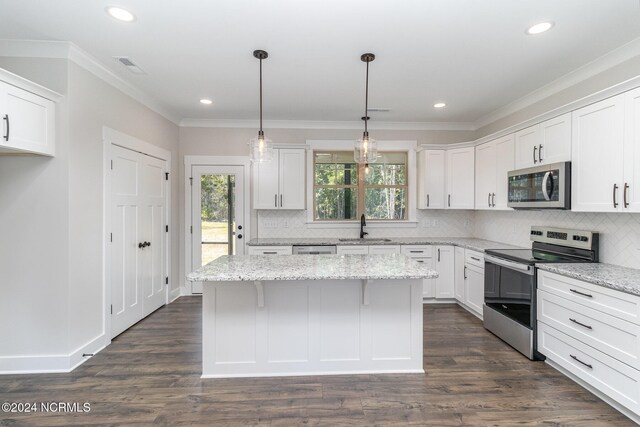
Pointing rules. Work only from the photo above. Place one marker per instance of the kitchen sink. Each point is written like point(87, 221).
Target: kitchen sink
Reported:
point(364, 240)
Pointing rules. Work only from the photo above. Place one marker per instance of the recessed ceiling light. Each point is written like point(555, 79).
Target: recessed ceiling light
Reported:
point(439, 105)
point(206, 101)
point(120, 14)
point(539, 28)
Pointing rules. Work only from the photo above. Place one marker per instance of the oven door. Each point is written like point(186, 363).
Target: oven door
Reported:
point(541, 187)
point(509, 289)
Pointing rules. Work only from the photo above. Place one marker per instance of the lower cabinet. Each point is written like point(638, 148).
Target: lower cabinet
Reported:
point(384, 249)
point(592, 333)
point(352, 250)
point(269, 250)
point(444, 264)
point(469, 279)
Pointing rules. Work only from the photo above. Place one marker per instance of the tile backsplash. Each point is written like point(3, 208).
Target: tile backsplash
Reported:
point(619, 233)
point(440, 223)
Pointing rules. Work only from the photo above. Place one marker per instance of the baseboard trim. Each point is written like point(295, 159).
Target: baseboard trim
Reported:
point(304, 373)
point(175, 294)
point(439, 301)
point(52, 363)
point(479, 316)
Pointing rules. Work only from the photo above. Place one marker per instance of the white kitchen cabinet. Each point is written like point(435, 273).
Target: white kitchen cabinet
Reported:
point(505, 162)
point(444, 265)
point(474, 288)
point(431, 179)
point(424, 255)
point(384, 249)
point(544, 143)
point(460, 178)
point(280, 183)
point(269, 250)
point(494, 160)
point(352, 249)
point(428, 285)
point(598, 156)
point(28, 121)
point(458, 276)
point(631, 153)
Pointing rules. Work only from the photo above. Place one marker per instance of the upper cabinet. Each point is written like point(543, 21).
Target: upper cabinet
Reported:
point(460, 178)
point(431, 179)
point(28, 120)
point(606, 155)
point(544, 143)
point(280, 183)
point(494, 160)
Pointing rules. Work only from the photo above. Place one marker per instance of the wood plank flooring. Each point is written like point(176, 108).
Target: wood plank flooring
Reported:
point(150, 375)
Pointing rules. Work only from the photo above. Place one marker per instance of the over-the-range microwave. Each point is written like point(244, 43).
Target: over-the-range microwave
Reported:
point(540, 187)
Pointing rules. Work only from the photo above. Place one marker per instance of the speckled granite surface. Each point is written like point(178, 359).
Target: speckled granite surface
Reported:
point(468, 243)
point(310, 267)
point(611, 276)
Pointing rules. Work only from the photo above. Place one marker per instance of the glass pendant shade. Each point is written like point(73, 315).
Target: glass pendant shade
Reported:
point(260, 149)
point(365, 150)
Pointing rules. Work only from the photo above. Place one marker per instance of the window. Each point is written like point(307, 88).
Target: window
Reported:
point(343, 190)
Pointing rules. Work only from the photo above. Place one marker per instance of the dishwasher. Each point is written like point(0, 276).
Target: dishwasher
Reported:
point(314, 250)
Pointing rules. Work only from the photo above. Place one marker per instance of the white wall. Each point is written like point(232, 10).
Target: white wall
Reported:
point(51, 217)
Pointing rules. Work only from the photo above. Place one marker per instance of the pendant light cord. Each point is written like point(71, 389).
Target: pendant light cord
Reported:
point(366, 101)
point(260, 95)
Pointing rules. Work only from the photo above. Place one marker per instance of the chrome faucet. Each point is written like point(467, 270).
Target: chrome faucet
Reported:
point(363, 223)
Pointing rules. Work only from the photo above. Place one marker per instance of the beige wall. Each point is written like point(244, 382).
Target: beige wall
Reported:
point(604, 80)
point(51, 213)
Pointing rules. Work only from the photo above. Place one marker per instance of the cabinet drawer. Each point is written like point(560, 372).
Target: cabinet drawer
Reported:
point(269, 250)
point(613, 336)
point(384, 249)
point(419, 251)
point(423, 260)
point(619, 304)
point(352, 250)
point(615, 379)
point(474, 258)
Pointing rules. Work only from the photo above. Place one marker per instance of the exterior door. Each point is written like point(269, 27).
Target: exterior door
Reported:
point(217, 214)
point(139, 238)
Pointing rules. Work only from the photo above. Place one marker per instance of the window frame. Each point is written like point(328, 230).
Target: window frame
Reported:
point(361, 188)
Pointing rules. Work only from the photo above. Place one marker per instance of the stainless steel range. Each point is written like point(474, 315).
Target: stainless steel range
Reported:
point(510, 282)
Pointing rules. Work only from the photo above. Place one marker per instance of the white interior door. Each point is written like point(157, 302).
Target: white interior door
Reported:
point(126, 301)
point(139, 238)
point(153, 223)
point(218, 214)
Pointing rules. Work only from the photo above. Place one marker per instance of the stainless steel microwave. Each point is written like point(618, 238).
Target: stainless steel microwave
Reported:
point(540, 187)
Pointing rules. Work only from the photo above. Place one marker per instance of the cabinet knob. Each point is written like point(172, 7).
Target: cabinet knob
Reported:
point(239, 236)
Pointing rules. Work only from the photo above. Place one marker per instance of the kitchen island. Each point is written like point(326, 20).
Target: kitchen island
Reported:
point(311, 315)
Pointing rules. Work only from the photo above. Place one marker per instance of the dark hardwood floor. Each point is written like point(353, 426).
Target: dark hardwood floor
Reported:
point(151, 375)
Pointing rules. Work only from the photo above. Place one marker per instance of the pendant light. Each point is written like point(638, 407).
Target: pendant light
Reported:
point(366, 149)
point(261, 149)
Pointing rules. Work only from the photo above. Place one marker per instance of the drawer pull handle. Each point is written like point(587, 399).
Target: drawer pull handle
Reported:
point(419, 261)
point(269, 253)
point(581, 293)
point(581, 324)
point(580, 361)
point(416, 252)
point(475, 259)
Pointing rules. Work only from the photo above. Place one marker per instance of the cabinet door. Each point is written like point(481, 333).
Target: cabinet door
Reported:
point(265, 184)
point(384, 249)
point(460, 178)
point(28, 121)
point(632, 152)
point(556, 140)
point(431, 179)
point(458, 282)
point(352, 250)
point(428, 285)
point(527, 143)
point(485, 175)
point(598, 156)
point(445, 262)
point(291, 178)
point(505, 162)
point(474, 288)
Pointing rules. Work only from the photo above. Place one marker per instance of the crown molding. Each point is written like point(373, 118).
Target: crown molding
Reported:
point(71, 52)
point(28, 85)
point(317, 124)
point(597, 66)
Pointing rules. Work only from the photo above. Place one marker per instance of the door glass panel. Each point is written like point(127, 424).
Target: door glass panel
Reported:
point(217, 207)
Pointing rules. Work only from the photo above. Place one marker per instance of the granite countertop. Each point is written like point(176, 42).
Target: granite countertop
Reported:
point(623, 279)
point(317, 267)
point(479, 245)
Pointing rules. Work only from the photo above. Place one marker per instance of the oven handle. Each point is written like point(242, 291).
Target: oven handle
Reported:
point(526, 269)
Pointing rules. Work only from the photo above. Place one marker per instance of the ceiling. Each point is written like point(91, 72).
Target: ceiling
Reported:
point(473, 55)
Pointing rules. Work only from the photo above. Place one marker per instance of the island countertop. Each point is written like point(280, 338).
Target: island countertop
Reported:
point(234, 268)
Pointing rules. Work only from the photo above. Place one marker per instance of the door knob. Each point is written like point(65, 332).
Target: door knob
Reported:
point(141, 245)
point(239, 236)
point(147, 243)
